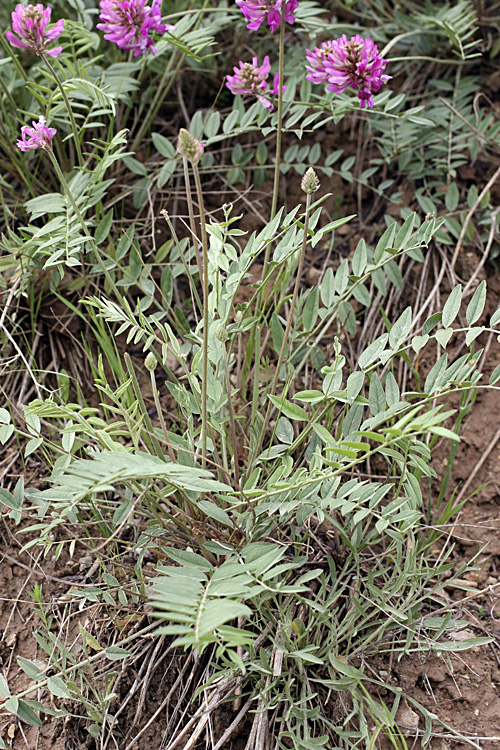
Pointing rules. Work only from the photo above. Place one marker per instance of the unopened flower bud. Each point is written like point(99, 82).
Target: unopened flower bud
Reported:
point(189, 146)
point(150, 362)
point(222, 333)
point(310, 182)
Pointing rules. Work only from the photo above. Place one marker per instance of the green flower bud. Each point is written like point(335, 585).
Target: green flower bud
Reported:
point(150, 362)
point(310, 182)
point(222, 334)
point(189, 146)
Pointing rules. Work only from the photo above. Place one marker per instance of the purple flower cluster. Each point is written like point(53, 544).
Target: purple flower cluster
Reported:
point(256, 11)
point(29, 23)
point(250, 79)
point(131, 23)
point(341, 63)
point(39, 136)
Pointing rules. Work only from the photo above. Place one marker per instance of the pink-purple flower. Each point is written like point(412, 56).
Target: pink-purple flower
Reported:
point(316, 60)
point(340, 63)
point(29, 23)
point(130, 24)
point(249, 78)
point(256, 11)
point(39, 136)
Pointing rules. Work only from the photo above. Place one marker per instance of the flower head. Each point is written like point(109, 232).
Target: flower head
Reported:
point(189, 146)
point(310, 182)
point(250, 79)
point(256, 11)
point(341, 63)
point(30, 25)
point(131, 23)
point(39, 136)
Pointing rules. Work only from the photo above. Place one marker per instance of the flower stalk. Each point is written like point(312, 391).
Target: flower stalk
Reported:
point(204, 375)
point(279, 125)
point(82, 221)
point(309, 184)
point(69, 109)
point(191, 149)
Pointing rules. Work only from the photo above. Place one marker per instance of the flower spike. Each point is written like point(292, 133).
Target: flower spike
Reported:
point(189, 146)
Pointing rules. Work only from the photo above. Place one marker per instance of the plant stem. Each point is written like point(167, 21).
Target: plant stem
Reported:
point(161, 93)
point(82, 221)
point(232, 422)
point(204, 376)
point(279, 124)
point(191, 215)
point(284, 343)
point(76, 136)
point(149, 437)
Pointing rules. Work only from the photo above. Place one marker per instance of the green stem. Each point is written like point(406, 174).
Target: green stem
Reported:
point(232, 421)
point(82, 221)
point(149, 436)
point(191, 215)
point(204, 376)
point(279, 126)
point(284, 343)
point(10, 53)
point(159, 410)
point(76, 136)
